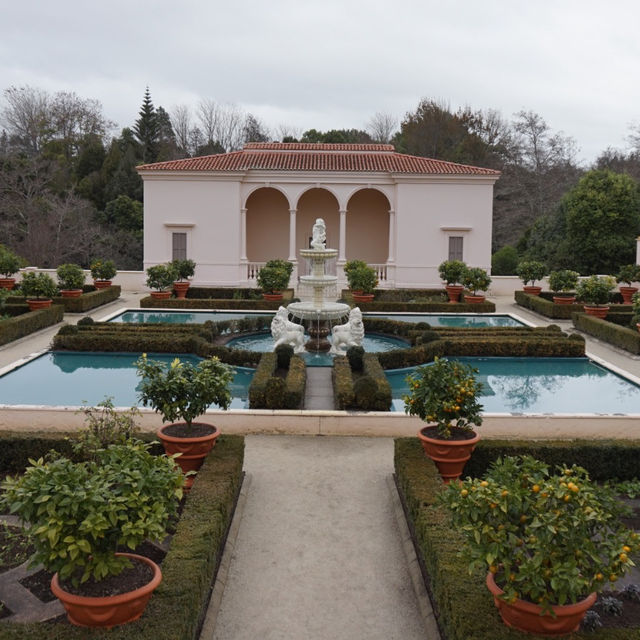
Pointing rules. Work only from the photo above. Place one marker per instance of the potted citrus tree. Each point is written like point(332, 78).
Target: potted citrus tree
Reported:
point(349, 267)
point(451, 271)
point(629, 273)
point(530, 271)
point(183, 270)
point(594, 291)
point(77, 514)
point(475, 279)
point(102, 272)
point(160, 277)
point(38, 289)
point(272, 279)
point(183, 391)
point(362, 282)
point(70, 280)
point(547, 541)
point(10, 264)
point(563, 283)
point(445, 395)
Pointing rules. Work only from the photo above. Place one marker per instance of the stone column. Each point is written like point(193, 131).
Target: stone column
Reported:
point(292, 235)
point(342, 244)
point(392, 236)
point(243, 235)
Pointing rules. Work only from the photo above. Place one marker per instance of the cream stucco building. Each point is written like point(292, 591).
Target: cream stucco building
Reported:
point(232, 212)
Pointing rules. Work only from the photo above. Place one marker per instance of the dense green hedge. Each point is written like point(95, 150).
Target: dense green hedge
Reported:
point(619, 336)
point(155, 338)
point(543, 304)
point(23, 322)
point(345, 390)
point(90, 299)
point(463, 605)
point(219, 298)
point(426, 307)
point(178, 605)
point(292, 396)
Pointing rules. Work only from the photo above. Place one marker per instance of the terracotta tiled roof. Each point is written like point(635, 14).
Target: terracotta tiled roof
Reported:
point(295, 156)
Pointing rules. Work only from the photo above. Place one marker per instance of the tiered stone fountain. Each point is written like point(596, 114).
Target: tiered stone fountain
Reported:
point(319, 312)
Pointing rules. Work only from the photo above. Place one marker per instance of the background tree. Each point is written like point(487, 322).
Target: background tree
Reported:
point(382, 126)
point(254, 130)
point(147, 130)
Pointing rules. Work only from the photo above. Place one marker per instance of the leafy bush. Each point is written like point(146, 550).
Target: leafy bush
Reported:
point(283, 355)
point(278, 263)
point(476, 279)
point(623, 337)
point(504, 261)
point(451, 271)
point(27, 322)
point(355, 355)
point(273, 279)
point(628, 273)
point(160, 277)
point(564, 280)
point(183, 269)
point(365, 389)
point(595, 289)
point(274, 393)
point(77, 531)
point(362, 278)
point(445, 394)
point(37, 285)
point(70, 276)
point(526, 511)
point(530, 271)
point(10, 262)
point(182, 390)
point(103, 269)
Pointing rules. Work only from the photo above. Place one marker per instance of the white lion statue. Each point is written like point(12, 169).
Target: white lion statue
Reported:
point(349, 334)
point(286, 332)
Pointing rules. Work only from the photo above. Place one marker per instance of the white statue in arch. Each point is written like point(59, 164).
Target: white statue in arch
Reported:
point(284, 331)
point(349, 334)
point(319, 235)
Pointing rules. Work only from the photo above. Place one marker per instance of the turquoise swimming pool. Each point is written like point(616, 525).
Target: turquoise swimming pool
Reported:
point(476, 320)
point(65, 378)
point(542, 385)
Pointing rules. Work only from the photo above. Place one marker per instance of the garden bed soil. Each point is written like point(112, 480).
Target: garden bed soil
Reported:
point(14, 548)
point(630, 617)
point(182, 430)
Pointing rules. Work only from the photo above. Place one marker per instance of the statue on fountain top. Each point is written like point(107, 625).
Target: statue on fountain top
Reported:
point(319, 235)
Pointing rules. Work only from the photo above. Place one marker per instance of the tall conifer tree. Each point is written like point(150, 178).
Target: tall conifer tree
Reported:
point(147, 129)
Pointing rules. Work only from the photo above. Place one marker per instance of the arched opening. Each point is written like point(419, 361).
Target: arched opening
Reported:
point(317, 203)
point(367, 232)
point(267, 225)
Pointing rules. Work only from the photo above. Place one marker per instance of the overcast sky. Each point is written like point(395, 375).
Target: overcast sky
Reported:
point(333, 64)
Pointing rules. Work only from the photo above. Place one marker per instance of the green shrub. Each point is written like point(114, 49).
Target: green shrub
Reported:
point(452, 271)
point(595, 290)
point(26, 322)
point(355, 355)
point(628, 274)
point(70, 276)
point(623, 337)
point(264, 372)
point(273, 279)
point(373, 369)
point(365, 389)
point(183, 269)
point(37, 285)
point(564, 280)
point(504, 261)
point(283, 354)
point(160, 277)
point(103, 269)
point(10, 262)
point(530, 271)
point(291, 396)
point(296, 382)
point(475, 279)
point(343, 393)
point(274, 393)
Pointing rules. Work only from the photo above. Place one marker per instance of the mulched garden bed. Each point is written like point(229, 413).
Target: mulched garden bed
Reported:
point(630, 617)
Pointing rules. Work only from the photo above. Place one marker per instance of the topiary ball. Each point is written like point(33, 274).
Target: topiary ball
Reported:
point(355, 356)
point(284, 353)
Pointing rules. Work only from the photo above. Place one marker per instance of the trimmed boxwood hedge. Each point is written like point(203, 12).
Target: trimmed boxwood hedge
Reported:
point(23, 322)
point(219, 298)
point(90, 298)
point(611, 332)
point(178, 606)
point(344, 390)
point(463, 605)
point(294, 387)
point(544, 305)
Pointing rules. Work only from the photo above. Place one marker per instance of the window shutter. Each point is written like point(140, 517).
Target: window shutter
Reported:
point(179, 249)
point(455, 247)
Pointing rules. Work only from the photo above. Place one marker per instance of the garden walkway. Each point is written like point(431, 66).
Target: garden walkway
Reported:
point(318, 553)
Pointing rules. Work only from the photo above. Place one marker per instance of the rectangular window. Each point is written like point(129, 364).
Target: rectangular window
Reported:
point(455, 247)
point(179, 246)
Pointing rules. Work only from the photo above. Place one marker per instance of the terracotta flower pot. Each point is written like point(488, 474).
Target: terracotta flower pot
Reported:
point(7, 283)
point(272, 297)
point(161, 295)
point(449, 456)
point(181, 288)
point(102, 284)
point(564, 299)
point(598, 312)
point(473, 299)
point(627, 293)
point(70, 293)
point(526, 616)
point(108, 611)
point(454, 291)
point(39, 303)
point(192, 451)
point(532, 291)
point(363, 297)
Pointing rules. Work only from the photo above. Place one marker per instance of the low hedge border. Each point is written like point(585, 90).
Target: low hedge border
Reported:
point(90, 299)
point(425, 307)
point(463, 605)
point(619, 336)
point(178, 606)
point(344, 390)
point(219, 298)
point(26, 322)
point(544, 305)
point(294, 384)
